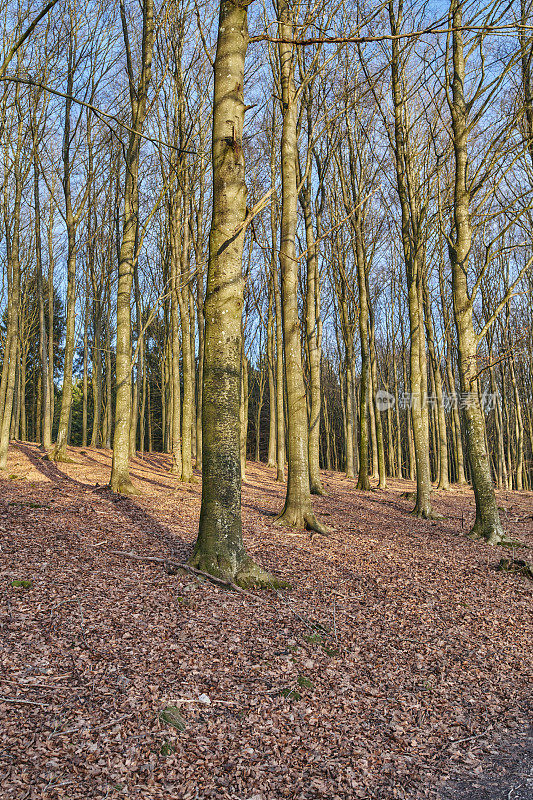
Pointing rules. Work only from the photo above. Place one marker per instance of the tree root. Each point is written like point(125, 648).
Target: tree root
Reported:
point(301, 520)
point(251, 576)
point(124, 487)
point(246, 574)
point(425, 513)
point(190, 479)
point(492, 537)
point(58, 457)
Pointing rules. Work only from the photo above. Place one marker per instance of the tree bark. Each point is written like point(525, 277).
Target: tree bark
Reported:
point(219, 548)
point(487, 524)
point(120, 471)
point(297, 511)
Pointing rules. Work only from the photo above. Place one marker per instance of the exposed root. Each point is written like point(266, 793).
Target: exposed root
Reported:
point(124, 487)
point(190, 479)
point(425, 513)
point(301, 520)
point(363, 483)
point(474, 535)
point(314, 526)
point(58, 457)
point(251, 576)
point(317, 489)
point(516, 565)
point(493, 536)
point(245, 575)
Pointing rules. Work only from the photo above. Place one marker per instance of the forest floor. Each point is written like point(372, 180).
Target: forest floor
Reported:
point(397, 666)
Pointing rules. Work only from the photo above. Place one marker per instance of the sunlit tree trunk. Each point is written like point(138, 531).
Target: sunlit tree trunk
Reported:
point(443, 479)
point(219, 548)
point(380, 447)
point(271, 461)
point(187, 353)
point(487, 524)
point(120, 471)
point(413, 256)
point(12, 227)
point(85, 378)
point(280, 364)
point(46, 425)
point(297, 511)
point(313, 341)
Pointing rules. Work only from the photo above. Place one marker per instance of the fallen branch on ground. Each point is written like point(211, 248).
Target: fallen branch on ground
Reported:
point(180, 565)
point(22, 702)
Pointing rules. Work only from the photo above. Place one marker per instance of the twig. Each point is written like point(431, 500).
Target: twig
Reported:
point(22, 702)
point(335, 625)
point(40, 685)
point(82, 625)
point(459, 741)
point(309, 625)
point(92, 730)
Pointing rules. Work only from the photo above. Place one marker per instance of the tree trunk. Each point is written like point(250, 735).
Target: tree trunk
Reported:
point(297, 511)
point(413, 250)
point(243, 411)
point(271, 461)
point(443, 479)
point(9, 368)
point(46, 427)
point(120, 471)
point(219, 548)
point(487, 524)
point(380, 448)
point(187, 355)
point(313, 345)
point(85, 379)
point(59, 453)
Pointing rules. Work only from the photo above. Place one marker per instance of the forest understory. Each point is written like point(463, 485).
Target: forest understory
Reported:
point(397, 665)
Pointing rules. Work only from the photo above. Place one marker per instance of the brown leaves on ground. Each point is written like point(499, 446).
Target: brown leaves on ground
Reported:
point(400, 657)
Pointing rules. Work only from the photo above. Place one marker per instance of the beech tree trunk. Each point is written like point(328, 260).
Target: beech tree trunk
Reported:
point(11, 346)
point(297, 511)
point(414, 257)
point(120, 470)
point(487, 524)
point(219, 548)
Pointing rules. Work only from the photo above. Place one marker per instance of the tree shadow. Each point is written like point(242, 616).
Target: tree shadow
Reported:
point(263, 511)
point(154, 461)
point(49, 468)
point(150, 480)
point(136, 515)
